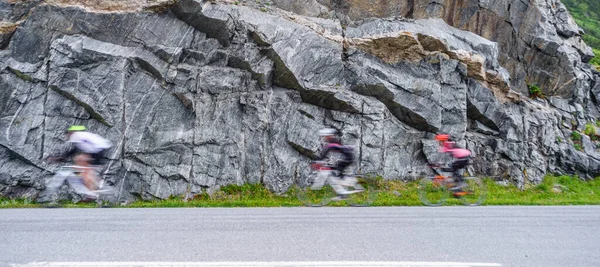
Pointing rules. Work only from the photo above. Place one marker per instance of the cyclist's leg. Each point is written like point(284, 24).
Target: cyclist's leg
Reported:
point(97, 161)
point(336, 183)
point(342, 165)
point(457, 167)
point(89, 179)
point(77, 184)
point(350, 179)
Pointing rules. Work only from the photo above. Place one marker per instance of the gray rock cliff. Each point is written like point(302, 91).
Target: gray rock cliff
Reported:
point(198, 94)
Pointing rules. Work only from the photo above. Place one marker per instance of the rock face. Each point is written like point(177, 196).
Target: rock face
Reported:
point(12, 14)
point(539, 43)
point(195, 94)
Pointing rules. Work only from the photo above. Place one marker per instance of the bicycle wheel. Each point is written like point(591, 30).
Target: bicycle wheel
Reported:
point(432, 191)
point(104, 197)
point(314, 192)
point(362, 192)
point(48, 198)
point(475, 191)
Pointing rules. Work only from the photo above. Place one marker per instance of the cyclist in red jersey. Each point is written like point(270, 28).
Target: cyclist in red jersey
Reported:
point(461, 158)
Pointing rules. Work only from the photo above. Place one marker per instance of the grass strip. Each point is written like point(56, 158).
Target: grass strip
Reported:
point(554, 190)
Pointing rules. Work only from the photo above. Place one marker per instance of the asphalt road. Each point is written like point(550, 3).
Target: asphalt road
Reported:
point(506, 236)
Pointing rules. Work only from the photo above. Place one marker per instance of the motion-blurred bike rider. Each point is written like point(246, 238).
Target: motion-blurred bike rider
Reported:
point(89, 149)
point(460, 157)
point(338, 157)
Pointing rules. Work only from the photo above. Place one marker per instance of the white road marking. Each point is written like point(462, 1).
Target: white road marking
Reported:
point(262, 264)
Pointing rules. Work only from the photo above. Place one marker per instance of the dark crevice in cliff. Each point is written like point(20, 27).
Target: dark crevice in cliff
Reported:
point(409, 117)
point(5, 39)
point(85, 106)
point(345, 45)
point(594, 82)
point(308, 115)
point(263, 79)
point(474, 114)
point(282, 75)
point(383, 146)
point(326, 100)
point(419, 152)
point(411, 9)
point(361, 141)
point(43, 141)
point(16, 155)
point(22, 75)
point(193, 158)
point(145, 65)
point(190, 12)
point(402, 113)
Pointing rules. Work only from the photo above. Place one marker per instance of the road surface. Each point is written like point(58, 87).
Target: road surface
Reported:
point(382, 236)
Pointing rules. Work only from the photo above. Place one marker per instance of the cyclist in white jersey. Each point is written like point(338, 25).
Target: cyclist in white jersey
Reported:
point(88, 149)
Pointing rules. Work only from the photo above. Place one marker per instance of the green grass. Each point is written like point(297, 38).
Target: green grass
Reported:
point(573, 191)
point(596, 60)
point(27, 203)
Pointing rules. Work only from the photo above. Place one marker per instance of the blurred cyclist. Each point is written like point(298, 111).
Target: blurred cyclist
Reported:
point(338, 157)
point(88, 149)
point(461, 158)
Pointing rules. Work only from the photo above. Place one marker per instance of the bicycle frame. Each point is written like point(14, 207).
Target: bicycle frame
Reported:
point(434, 189)
point(323, 175)
point(69, 174)
point(441, 178)
point(61, 175)
point(445, 180)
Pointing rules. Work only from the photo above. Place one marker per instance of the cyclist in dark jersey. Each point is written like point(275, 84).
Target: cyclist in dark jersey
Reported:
point(338, 156)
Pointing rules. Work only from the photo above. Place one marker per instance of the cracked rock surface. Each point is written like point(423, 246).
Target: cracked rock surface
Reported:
point(195, 95)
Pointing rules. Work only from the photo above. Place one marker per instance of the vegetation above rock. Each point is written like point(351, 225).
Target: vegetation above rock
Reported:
point(587, 13)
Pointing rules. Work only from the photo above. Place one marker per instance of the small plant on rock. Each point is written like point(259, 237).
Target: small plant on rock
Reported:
point(576, 137)
point(574, 124)
point(535, 91)
point(590, 130)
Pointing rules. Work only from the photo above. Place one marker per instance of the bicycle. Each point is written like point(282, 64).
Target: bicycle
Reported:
point(69, 175)
point(322, 184)
point(434, 190)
